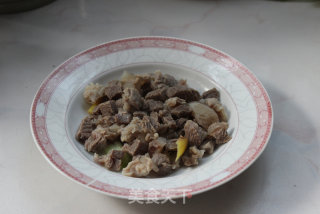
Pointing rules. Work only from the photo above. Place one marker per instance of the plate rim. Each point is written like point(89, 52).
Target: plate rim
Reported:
point(218, 183)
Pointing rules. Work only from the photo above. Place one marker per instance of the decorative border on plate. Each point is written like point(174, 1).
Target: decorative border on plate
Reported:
point(261, 99)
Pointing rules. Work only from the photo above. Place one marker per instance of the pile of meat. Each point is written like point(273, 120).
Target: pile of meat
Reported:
point(147, 113)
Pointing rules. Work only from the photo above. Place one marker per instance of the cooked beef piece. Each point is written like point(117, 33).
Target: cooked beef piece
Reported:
point(158, 94)
point(174, 102)
point(183, 92)
point(143, 83)
point(119, 103)
point(160, 128)
point(180, 122)
point(191, 156)
point(212, 93)
point(156, 146)
point(172, 134)
point(194, 133)
point(140, 114)
point(111, 161)
point(93, 92)
point(216, 105)
point(106, 109)
point(113, 90)
point(182, 111)
point(106, 121)
point(96, 141)
point(139, 147)
point(138, 128)
point(171, 145)
point(132, 100)
point(123, 118)
point(167, 119)
point(154, 105)
point(161, 164)
point(219, 132)
point(203, 114)
point(140, 166)
point(207, 146)
point(87, 125)
point(162, 80)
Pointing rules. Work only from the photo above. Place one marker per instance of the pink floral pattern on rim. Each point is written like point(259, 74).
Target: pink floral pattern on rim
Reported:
point(261, 99)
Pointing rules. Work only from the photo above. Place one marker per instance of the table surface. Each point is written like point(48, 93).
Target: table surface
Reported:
point(278, 41)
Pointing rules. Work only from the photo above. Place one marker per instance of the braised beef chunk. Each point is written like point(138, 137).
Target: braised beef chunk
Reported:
point(140, 114)
point(96, 141)
point(219, 132)
point(106, 121)
point(157, 94)
point(180, 122)
point(111, 161)
point(174, 102)
point(161, 164)
point(212, 93)
point(171, 145)
point(148, 113)
point(113, 90)
point(194, 133)
point(183, 92)
point(191, 156)
point(123, 118)
point(154, 105)
point(167, 119)
point(139, 147)
point(181, 111)
point(162, 80)
point(106, 109)
point(207, 146)
point(87, 125)
point(132, 100)
point(157, 146)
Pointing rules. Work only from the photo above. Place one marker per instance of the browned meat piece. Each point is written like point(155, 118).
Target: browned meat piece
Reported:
point(203, 114)
point(96, 141)
point(113, 90)
point(140, 166)
point(93, 93)
point(107, 108)
point(138, 147)
point(154, 105)
point(216, 105)
point(111, 161)
point(132, 100)
point(219, 132)
point(119, 103)
point(183, 92)
point(212, 93)
point(162, 80)
point(194, 133)
point(158, 94)
point(180, 122)
point(140, 114)
point(154, 120)
point(161, 164)
point(172, 135)
point(191, 156)
point(156, 146)
point(138, 128)
point(87, 125)
point(106, 121)
point(182, 111)
point(167, 119)
point(143, 83)
point(207, 146)
point(174, 102)
point(171, 145)
point(123, 118)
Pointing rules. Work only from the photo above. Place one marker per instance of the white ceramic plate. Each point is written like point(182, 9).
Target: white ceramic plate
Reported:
point(58, 108)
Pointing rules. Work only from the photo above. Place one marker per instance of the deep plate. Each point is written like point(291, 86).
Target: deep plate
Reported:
point(58, 108)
